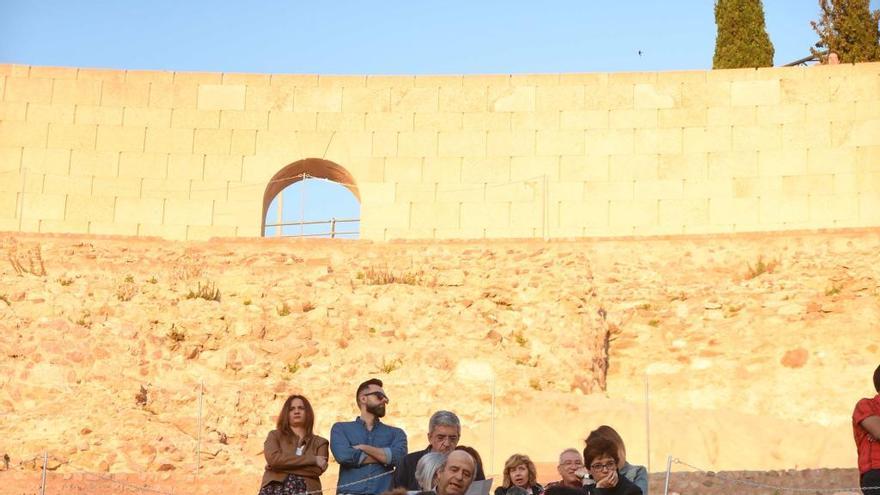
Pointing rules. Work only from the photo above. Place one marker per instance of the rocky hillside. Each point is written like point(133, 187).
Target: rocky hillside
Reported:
point(755, 348)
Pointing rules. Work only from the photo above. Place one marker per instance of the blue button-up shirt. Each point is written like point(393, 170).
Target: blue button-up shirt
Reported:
point(351, 461)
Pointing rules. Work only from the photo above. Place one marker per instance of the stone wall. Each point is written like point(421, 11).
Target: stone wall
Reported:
point(189, 155)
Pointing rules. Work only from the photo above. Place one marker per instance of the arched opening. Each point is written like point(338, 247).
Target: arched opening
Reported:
point(311, 198)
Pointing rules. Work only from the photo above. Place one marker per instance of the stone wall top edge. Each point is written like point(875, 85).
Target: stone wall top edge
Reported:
point(8, 67)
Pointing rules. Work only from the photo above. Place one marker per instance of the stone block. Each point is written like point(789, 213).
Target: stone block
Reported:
point(658, 141)
point(534, 121)
point(710, 188)
point(169, 140)
point(459, 99)
point(76, 92)
point(172, 232)
point(437, 121)
point(683, 166)
point(138, 164)
point(584, 79)
point(612, 97)
point(486, 80)
point(751, 93)
point(185, 166)
point(564, 191)
point(727, 164)
point(806, 90)
point(518, 192)
point(534, 79)
point(387, 121)
point(559, 142)
point(322, 99)
point(272, 98)
point(12, 110)
point(222, 97)
point(832, 161)
point(113, 228)
point(826, 111)
point(609, 190)
point(511, 143)
point(658, 189)
point(122, 187)
point(223, 167)
point(212, 141)
point(681, 212)
point(115, 138)
point(531, 168)
point(609, 141)
point(46, 161)
point(379, 81)
point(72, 136)
point(869, 209)
point(65, 184)
point(682, 117)
point(403, 170)
point(486, 121)
point(245, 79)
point(460, 192)
point(63, 227)
point(584, 168)
point(44, 207)
point(89, 115)
point(705, 94)
point(90, 208)
point(856, 133)
point(219, 189)
point(335, 121)
point(366, 100)
point(747, 74)
point(8, 205)
point(345, 145)
point(632, 167)
point(805, 134)
point(61, 114)
point(28, 90)
point(244, 119)
point(868, 159)
point(730, 116)
point(235, 213)
point(243, 142)
point(654, 96)
point(10, 159)
point(280, 142)
point(806, 185)
point(788, 209)
point(165, 189)
point(342, 81)
point(736, 211)
point(492, 170)
point(832, 208)
point(296, 80)
point(188, 212)
point(415, 100)
point(782, 114)
point(583, 119)
point(774, 163)
point(479, 215)
point(635, 213)
point(869, 183)
point(139, 210)
point(562, 98)
point(591, 216)
point(146, 117)
point(125, 94)
point(761, 138)
point(184, 96)
point(438, 81)
point(417, 144)
point(632, 119)
point(435, 215)
point(23, 134)
point(188, 118)
point(462, 143)
point(91, 162)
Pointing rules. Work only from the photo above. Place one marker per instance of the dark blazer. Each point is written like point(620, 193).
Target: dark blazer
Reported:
point(624, 487)
point(536, 490)
point(405, 475)
point(281, 458)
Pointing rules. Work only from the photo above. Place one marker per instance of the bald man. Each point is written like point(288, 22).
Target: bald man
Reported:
point(456, 473)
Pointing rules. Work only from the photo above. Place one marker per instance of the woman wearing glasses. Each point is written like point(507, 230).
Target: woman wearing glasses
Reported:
point(295, 457)
point(635, 473)
point(602, 459)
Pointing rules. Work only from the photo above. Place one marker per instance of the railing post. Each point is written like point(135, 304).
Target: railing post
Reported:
point(45, 466)
point(333, 227)
point(668, 470)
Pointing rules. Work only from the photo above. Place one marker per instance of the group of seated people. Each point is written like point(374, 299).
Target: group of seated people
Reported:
point(373, 458)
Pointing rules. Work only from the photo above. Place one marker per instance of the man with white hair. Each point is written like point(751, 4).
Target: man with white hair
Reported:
point(571, 469)
point(444, 432)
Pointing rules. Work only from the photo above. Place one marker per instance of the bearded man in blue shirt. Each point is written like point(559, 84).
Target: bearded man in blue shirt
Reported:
point(366, 449)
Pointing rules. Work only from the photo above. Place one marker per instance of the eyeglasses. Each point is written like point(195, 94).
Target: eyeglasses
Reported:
point(572, 463)
point(603, 467)
point(379, 395)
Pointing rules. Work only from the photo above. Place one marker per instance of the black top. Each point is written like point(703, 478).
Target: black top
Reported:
point(536, 490)
point(405, 475)
point(623, 487)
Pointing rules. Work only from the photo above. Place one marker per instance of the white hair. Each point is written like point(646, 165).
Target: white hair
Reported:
point(426, 469)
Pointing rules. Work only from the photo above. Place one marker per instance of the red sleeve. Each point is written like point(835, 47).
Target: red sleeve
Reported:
point(865, 408)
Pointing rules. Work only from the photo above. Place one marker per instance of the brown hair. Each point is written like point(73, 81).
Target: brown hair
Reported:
point(514, 461)
point(877, 379)
point(608, 433)
point(600, 447)
point(364, 386)
point(283, 424)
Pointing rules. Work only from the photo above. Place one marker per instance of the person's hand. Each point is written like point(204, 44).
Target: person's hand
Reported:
point(582, 473)
point(322, 462)
point(359, 446)
point(609, 481)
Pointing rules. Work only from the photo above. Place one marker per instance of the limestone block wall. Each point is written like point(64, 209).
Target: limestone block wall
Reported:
point(190, 155)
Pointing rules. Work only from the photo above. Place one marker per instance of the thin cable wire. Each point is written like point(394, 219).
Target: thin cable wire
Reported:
point(756, 484)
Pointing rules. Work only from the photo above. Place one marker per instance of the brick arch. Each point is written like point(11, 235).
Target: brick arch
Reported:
point(314, 167)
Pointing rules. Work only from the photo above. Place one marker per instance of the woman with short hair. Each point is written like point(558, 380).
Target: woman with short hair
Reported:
point(295, 457)
point(602, 460)
point(636, 474)
point(520, 476)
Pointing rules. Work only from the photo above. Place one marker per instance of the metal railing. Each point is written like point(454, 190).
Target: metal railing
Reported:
point(332, 233)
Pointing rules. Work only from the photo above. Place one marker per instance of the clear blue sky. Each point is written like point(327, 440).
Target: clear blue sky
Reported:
point(382, 37)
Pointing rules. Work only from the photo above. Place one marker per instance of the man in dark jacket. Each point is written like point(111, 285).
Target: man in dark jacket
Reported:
point(444, 432)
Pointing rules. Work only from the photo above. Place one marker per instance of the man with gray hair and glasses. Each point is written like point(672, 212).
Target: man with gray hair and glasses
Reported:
point(444, 432)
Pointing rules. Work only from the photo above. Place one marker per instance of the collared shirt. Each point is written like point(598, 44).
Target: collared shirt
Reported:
point(405, 476)
point(352, 469)
point(867, 446)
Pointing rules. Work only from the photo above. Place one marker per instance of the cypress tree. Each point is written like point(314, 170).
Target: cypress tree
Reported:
point(742, 39)
point(850, 29)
